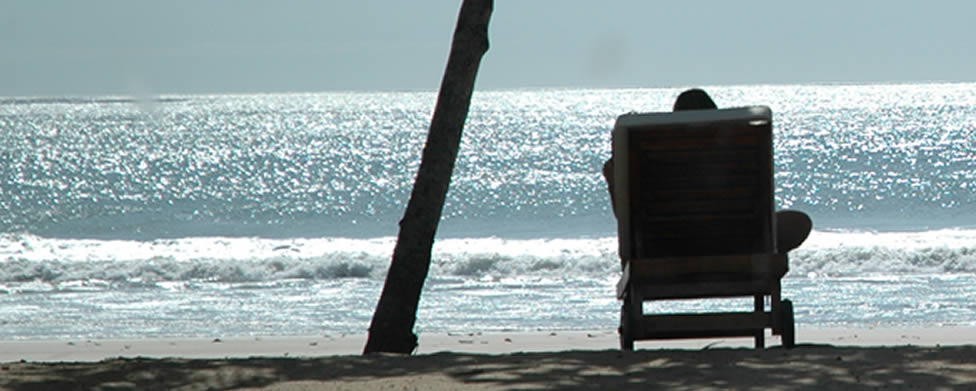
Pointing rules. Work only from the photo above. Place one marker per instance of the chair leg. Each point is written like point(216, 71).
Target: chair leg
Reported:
point(631, 313)
point(626, 327)
point(776, 308)
point(788, 325)
point(760, 306)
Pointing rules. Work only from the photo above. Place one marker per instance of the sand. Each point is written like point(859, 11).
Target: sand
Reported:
point(912, 358)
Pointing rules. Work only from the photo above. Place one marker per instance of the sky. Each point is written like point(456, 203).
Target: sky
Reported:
point(54, 48)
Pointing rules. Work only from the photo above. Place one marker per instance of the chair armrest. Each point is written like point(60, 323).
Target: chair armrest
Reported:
point(622, 284)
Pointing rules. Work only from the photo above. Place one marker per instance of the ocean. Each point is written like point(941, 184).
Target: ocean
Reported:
point(276, 214)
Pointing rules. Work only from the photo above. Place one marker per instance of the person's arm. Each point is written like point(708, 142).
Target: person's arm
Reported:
point(608, 176)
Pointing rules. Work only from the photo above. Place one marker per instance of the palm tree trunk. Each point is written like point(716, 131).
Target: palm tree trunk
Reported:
point(391, 329)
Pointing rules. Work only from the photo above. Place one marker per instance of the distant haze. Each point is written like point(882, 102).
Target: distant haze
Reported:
point(52, 47)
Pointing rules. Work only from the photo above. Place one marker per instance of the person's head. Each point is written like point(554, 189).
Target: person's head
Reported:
point(694, 99)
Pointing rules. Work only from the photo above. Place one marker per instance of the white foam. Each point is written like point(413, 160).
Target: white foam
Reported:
point(97, 264)
point(847, 253)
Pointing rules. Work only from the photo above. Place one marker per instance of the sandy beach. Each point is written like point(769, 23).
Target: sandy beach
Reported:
point(911, 358)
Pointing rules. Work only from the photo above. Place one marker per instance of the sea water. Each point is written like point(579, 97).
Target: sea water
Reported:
point(235, 215)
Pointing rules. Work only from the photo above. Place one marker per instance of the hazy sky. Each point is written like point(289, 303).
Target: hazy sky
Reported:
point(203, 46)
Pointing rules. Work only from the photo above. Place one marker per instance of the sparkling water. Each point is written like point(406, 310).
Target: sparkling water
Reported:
point(277, 214)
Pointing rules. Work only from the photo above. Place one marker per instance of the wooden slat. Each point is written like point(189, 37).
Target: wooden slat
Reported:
point(670, 267)
point(660, 167)
point(696, 226)
point(685, 334)
point(718, 155)
point(698, 208)
point(690, 140)
point(711, 286)
point(719, 183)
point(656, 195)
point(707, 247)
point(665, 167)
point(694, 325)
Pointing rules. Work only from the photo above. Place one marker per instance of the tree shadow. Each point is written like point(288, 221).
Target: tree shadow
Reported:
point(808, 367)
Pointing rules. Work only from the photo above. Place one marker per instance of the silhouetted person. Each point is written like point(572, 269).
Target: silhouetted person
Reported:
point(792, 227)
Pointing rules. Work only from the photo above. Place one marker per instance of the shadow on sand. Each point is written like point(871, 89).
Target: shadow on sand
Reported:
point(812, 367)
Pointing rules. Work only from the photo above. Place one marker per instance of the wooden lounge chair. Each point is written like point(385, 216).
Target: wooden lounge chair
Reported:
point(694, 205)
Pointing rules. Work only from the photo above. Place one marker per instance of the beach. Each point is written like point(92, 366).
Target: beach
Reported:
point(241, 241)
point(825, 358)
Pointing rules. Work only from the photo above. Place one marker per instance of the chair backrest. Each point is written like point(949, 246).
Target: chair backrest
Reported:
point(694, 183)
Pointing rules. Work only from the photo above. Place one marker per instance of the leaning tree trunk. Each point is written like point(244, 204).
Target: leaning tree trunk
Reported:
point(391, 330)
